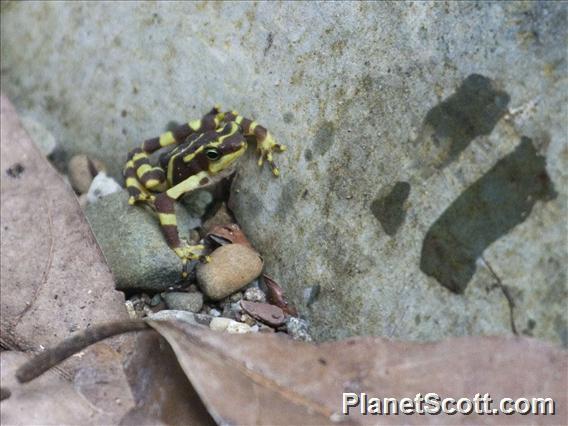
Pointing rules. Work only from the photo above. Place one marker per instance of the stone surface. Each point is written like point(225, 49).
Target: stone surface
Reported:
point(231, 268)
point(182, 301)
point(133, 244)
point(392, 113)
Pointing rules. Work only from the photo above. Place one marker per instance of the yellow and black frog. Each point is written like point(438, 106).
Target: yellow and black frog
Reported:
point(205, 152)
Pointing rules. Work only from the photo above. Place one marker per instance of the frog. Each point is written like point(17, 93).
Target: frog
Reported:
point(201, 153)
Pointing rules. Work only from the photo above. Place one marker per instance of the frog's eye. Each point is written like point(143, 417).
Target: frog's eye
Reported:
point(213, 153)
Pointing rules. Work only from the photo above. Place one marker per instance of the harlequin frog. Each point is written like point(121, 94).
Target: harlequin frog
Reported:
point(204, 152)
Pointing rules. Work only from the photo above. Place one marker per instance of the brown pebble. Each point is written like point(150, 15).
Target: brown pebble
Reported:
point(231, 268)
point(82, 170)
point(269, 314)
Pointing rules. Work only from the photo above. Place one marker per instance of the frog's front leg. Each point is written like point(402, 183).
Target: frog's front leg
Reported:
point(265, 143)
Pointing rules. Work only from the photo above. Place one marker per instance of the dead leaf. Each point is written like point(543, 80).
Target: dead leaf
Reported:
point(275, 295)
point(53, 400)
point(264, 379)
point(231, 233)
point(54, 281)
point(54, 277)
point(162, 392)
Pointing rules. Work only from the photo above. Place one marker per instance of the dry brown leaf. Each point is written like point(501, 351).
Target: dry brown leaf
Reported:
point(98, 396)
point(265, 379)
point(162, 392)
point(54, 277)
point(54, 281)
point(275, 295)
point(229, 233)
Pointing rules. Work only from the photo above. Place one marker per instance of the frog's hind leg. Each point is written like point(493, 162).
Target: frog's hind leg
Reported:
point(165, 207)
point(135, 189)
point(151, 177)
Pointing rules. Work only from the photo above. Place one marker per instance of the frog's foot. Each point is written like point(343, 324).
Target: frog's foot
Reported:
point(141, 197)
point(188, 252)
point(265, 149)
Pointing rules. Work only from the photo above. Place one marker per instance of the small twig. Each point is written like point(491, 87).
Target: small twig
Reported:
point(51, 357)
point(506, 293)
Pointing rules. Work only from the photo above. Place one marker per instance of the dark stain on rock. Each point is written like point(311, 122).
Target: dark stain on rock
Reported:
point(389, 210)
point(483, 213)
point(308, 154)
point(291, 192)
point(473, 110)
point(324, 138)
point(269, 41)
point(288, 117)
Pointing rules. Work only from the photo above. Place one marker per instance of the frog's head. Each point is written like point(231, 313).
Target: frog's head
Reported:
point(226, 149)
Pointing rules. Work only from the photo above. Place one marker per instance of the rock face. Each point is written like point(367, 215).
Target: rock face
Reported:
point(424, 188)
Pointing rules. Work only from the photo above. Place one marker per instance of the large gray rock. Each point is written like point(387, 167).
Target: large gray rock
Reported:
point(425, 185)
point(133, 244)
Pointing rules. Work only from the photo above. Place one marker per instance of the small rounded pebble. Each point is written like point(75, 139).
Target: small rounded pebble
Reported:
point(219, 323)
point(255, 295)
point(229, 325)
point(101, 186)
point(235, 297)
point(181, 301)
point(238, 328)
point(155, 300)
point(81, 173)
point(185, 316)
point(214, 313)
point(231, 268)
point(247, 319)
point(298, 329)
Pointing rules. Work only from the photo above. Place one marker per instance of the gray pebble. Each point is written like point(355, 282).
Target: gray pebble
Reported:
point(254, 294)
point(185, 316)
point(298, 329)
point(192, 302)
point(156, 300)
point(235, 297)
